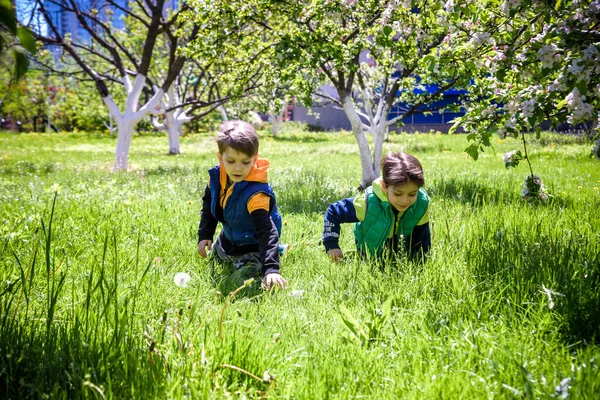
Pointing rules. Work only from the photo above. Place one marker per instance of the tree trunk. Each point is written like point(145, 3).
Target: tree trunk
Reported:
point(173, 127)
point(380, 130)
point(127, 120)
point(125, 132)
point(275, 122)
point(368, 171)
point(223, 113)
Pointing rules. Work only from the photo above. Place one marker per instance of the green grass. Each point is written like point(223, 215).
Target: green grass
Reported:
point(507, 306)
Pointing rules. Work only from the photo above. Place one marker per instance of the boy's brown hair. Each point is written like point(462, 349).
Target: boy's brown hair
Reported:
point(400, 168)
point(238, 135)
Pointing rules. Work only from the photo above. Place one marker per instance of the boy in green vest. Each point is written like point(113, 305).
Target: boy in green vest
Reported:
point(391, 215)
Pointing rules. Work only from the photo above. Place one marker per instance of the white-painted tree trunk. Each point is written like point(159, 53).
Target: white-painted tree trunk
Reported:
point(174, 127)
point(369, 173)
point(223, 112)
point(111, 128)
point(380, 132)
point(274, 122)
point(277, 118)
point(124, 135)
point(127, 120)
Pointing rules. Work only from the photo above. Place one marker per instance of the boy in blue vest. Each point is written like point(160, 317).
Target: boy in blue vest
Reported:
point(239, 196)
point(390, 215)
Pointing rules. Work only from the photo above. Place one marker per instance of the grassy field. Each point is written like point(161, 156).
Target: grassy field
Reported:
point(508, 305)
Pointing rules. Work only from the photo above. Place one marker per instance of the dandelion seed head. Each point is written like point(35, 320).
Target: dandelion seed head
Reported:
point(181, 279)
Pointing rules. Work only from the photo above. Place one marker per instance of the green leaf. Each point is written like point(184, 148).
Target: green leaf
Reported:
point(26, 39)
point(387, 306)
point(350, 321)
point(387, 30)
point(581, 86)
point(561, 104)
point(21, 64)
point(485, 139)
point(501, 74)
point(557, 4)
point(7, 16)
point(538, 132)
point(473, 151)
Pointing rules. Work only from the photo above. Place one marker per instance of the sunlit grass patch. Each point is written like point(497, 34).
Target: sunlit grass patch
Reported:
point(506, 305)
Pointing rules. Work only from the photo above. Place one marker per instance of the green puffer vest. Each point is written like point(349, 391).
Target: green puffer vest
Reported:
point(372, 233)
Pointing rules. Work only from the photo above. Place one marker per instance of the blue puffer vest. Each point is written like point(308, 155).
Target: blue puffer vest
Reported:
point(237, 222)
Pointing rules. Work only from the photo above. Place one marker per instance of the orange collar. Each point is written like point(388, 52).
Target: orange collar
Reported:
point(258, 173)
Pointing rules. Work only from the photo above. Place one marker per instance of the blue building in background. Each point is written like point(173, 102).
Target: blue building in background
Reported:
point(331, 118)
point(66, 21)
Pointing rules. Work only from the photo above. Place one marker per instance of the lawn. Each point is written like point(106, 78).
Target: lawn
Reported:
point(508, 304)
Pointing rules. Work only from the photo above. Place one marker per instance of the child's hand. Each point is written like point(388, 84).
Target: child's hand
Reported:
point(335, 255)
point(274, 279)
point(203, 247)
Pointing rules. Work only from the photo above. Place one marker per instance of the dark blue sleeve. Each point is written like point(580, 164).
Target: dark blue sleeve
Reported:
point(208, 223)
point(268, 241)
point(420, 242)
point(337, 213)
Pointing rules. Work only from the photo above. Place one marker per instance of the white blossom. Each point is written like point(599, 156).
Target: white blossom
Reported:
point(580, 110)
point(554, 86)
point(480, 38)
point(575, 69)
point(547, 55)
point(512, 107)
point(449, 6)
point(510, 159)
point(534, 191)
point(591, 53)
point(528, 108)
point(510, 123)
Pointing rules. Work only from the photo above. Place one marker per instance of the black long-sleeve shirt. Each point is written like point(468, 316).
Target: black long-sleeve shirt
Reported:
point(266, 234)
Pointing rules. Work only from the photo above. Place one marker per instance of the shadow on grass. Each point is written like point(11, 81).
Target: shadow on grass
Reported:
point(227, 279)
point(171, 170)
point(470, 191)
point(473, 192)
point(25, 168)
point(306, 138)
point(563, 273)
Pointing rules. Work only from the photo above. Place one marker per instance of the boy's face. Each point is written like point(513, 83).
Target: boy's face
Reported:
point(237, 165)
point(401, 196)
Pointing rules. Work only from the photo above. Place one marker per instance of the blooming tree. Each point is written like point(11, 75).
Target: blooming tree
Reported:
point(542, 66)
point(375, 54)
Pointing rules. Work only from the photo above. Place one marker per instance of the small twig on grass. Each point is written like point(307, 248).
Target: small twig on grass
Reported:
point(266, 379)
point(250, 374)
